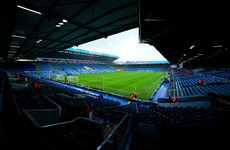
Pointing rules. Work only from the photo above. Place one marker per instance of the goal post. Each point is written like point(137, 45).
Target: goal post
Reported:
point(72, 79)
point(60, 78)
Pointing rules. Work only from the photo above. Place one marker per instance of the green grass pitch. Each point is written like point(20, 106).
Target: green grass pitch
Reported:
point(124, 83)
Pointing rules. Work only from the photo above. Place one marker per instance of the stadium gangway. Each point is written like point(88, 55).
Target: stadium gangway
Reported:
point(180, 87)
point(179, 83)
point(174, 87)
point(177, 90)
point(169, 89)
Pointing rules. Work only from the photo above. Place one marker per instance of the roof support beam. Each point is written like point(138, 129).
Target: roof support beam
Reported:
point(99, 17)
point(93, 38)
point(40, 22)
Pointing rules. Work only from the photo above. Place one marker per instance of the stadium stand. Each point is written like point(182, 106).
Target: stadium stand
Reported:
point(147, 67)
point(182, 113)
point(138, 122)
point(67, 128)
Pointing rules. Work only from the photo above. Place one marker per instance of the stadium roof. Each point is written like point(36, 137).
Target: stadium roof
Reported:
point(183, 32)
point(76, 50)
point(187, 32)
point(71, 54)
point(35, 28)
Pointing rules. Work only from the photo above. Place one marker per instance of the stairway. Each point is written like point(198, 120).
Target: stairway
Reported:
point(53, 69)
point(61, 68)
point(37, 74)
point(51, 66)
point(38, 69)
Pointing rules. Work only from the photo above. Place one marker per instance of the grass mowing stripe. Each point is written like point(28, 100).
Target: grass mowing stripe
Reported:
point(123, 83)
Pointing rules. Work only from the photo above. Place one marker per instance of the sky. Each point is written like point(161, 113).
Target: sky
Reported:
point(125, 45)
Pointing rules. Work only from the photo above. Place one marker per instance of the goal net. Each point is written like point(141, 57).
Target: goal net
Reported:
point(60, 77)
point(72, 79)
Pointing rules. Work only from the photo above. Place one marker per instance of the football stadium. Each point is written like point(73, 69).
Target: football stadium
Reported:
point(57, 96)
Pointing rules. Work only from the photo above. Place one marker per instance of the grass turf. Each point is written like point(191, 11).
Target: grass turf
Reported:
point(124, 83)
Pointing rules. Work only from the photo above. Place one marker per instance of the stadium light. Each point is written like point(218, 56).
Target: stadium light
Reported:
point(36, 12)
point(58, 26)
point(11, 51)
point(192, 47)
point(38, 41)
point(61, 23)
point(18, 36)
point(64, 20)
point(217, 46)
point(10, 55)
point(14, 46)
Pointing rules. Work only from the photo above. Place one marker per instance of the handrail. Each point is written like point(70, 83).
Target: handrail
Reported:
point(107, 139)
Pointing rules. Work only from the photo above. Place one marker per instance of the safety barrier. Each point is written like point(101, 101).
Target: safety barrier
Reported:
point(116, 138)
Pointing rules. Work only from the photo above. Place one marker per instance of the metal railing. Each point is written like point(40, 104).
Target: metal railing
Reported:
point(114, 139)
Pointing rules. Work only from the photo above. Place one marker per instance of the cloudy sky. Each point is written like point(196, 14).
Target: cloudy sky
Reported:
point(126, 46)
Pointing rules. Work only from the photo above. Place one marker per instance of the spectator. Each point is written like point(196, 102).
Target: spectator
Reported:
point(36, 86)
point(101, 96)
point(135, 94)
point(88, 88)
point(175, 100)
point(86, 111)
point(26, 80)
point(201, 82)
point(64, 112)
point(131, 96)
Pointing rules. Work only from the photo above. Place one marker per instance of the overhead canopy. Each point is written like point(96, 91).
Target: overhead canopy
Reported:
point(184, 32)
point(187, 32)
point(75, 54)
point(36, 28)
